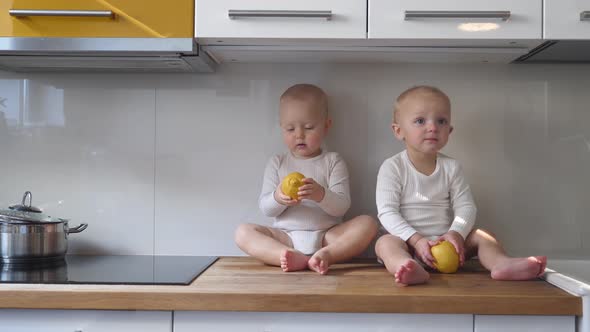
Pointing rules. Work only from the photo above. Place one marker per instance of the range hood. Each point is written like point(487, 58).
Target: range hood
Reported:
point(27, 54)
point(558, 51)
point(363, 54)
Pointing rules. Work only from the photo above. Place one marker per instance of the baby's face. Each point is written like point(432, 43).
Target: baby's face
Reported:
point(304, 126)
point(423, 122)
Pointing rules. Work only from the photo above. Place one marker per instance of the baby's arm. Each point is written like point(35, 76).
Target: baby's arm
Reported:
point(269, 206)
point(388, 197)
point(463, 205)
point(336, 200)
point(464, 210)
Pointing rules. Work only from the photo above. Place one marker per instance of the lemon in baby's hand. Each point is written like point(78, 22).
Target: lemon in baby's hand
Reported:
point(291, 183)
point(447, 259)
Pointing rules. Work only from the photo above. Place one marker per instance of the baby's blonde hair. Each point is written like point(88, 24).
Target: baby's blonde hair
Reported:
point(418, 89)
point(309, 93)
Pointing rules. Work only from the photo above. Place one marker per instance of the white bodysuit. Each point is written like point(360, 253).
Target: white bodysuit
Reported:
point(307, 222)
point(409, 201)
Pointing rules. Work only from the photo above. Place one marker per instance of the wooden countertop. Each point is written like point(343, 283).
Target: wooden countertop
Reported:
point(243, 284)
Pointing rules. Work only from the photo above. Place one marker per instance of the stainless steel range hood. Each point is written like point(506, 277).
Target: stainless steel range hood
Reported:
point(558, 51)
point(28, 54)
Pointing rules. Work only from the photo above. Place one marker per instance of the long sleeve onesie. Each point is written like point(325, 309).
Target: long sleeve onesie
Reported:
point(329, 170)
point(409, 201)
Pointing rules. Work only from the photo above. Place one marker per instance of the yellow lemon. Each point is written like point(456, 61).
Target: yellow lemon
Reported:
point(291, 183)
point(447, 259)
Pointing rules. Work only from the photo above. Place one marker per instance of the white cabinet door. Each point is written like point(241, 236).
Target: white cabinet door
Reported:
point(459, 19)
point(493, 323)
point(13, 320)
point(321, 322)
point(566, 19)
point(334, 19)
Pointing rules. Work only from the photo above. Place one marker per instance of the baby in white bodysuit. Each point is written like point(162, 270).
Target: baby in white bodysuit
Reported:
point(308, 232)
point(423, 198)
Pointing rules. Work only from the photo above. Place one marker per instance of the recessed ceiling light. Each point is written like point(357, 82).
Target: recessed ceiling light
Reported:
point(476, 27)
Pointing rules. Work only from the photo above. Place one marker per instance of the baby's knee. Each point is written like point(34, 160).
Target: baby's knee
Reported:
point(369, 223)
point(482, 234)
point(388, 243)
point(478, 237)
point(243, 231)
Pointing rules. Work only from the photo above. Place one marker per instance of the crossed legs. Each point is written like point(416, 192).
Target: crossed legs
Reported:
point(343, 242)
point(274, 247)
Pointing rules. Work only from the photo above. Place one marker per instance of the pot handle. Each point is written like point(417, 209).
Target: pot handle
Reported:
point(77, 229)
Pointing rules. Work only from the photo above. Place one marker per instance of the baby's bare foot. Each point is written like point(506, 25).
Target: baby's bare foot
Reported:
point(320, 262)
point(411, 273)
point(292, 260)
point(520, 268)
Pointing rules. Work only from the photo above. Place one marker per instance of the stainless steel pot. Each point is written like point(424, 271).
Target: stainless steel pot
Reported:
point(28, 236)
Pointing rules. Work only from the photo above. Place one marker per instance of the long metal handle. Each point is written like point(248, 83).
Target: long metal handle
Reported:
point(412, 14)
point(326, 14)
point(585, 16)
point(77, 229)
point(45, 12)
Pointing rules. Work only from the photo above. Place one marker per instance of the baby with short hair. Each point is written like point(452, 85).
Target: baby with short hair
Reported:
point(308, 232)
point(423, 198)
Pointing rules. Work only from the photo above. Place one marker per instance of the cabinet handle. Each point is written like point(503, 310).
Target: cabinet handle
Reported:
point(411, 14)
point(43, 12)
point(585, 16)
point(327, 14)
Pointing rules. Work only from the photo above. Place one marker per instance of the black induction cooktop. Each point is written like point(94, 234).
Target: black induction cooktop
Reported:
point(111, 269)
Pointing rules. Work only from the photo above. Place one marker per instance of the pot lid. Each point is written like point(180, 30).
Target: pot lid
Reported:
point(23, 213)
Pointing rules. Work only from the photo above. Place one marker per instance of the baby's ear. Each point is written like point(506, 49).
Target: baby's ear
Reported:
point(328, 123)
point(451, 129)
point(396, 131)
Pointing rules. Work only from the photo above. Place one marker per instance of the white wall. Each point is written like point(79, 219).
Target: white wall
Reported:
point(170, 164)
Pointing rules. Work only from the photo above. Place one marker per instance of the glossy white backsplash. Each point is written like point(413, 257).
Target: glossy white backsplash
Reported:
point(170, 164)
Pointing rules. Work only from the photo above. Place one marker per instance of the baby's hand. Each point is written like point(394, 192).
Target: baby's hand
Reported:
point(311, 190)
point(457, 241)
point(284, 199)
point(422, 248)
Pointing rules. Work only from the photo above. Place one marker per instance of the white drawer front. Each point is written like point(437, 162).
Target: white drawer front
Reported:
point(493, 323)
point(223, 321)
point(84, 321)
point(564, 19)
point(387, 19)
point(212, 19)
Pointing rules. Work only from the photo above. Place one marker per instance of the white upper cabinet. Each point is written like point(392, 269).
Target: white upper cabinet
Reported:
point(459, 19)
point(267, 19)
point(566, 19)
point(496, 31)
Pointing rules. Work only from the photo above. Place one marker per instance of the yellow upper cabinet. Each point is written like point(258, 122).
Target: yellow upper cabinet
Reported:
point(93, 18)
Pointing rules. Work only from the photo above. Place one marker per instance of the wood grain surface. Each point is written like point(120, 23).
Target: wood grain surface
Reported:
point(244, 284)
